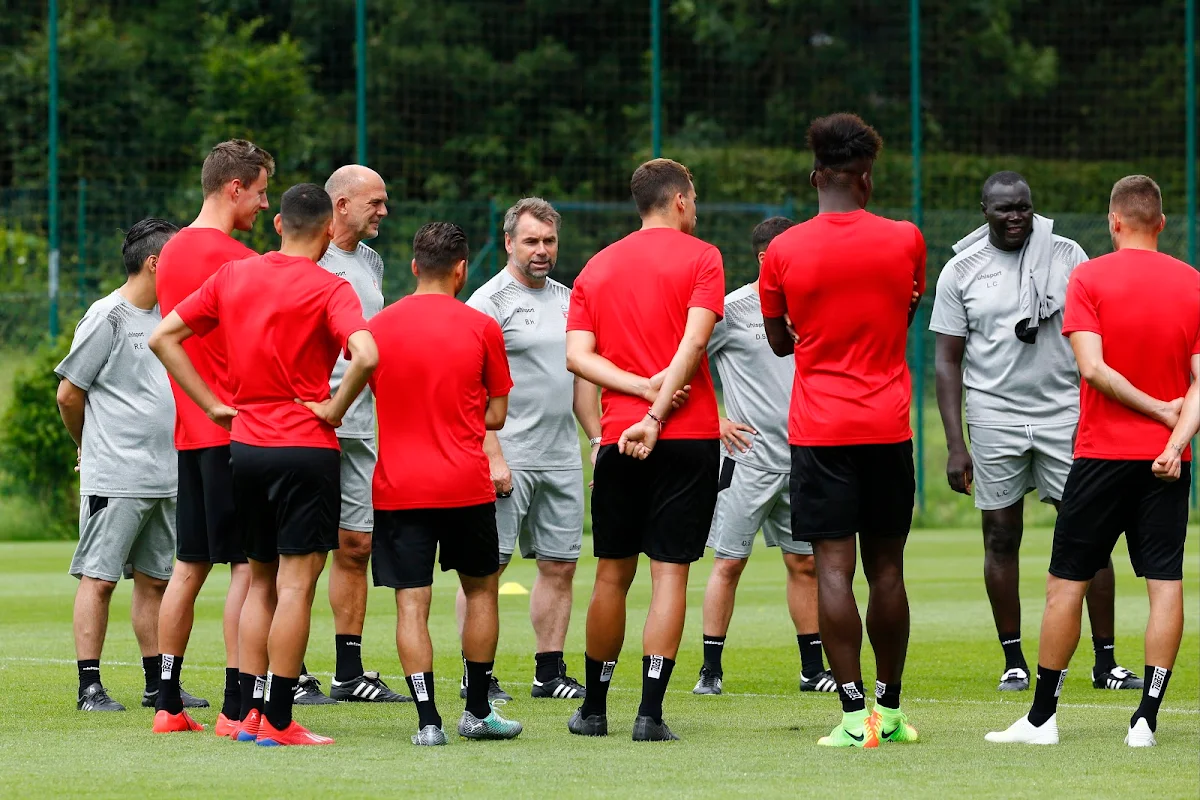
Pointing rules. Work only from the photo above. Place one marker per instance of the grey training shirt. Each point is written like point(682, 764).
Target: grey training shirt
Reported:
point(1008, 382)
point(129, 414)
point(757, 384)
point(540, 432)
point(363, 269)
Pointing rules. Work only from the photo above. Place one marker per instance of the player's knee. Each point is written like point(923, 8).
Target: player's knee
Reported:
point(800, 567)
point(559, 572)
point(729, 569)
point(1001, 537)
point(97, 586)
point(354, 550)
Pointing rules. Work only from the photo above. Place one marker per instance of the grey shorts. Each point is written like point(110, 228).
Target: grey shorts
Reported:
point(1012, 461)
point(358, 470)
point(750, 499)
point(118, 535)
point(544, 515)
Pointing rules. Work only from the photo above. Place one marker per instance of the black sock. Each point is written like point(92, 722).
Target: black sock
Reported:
point(811, 662)
point(713, 647)
point(548, 665)
point(89, 673)
point(1153, 690)
point(251, 689)
point(1013, 657)
point(852, 696)
point(887, 694)
point(1106, 655)
point(349, 657)
point(656, 674)
point(169, 699)
point(151, 666)
point(597, 678)
point(420, 686)
point(278, 700)
point(231, 706)
point(479, 674)
point(1045, 695)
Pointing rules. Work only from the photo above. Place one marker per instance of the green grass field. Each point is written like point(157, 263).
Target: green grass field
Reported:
point(756, 740)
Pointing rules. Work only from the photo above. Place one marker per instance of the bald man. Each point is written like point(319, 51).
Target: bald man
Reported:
point(359, 204)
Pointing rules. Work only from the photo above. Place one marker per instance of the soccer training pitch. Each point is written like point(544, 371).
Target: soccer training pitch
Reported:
point(759, 739)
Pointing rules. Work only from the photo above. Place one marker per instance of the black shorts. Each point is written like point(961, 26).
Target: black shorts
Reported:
point(288, 499)
point(662, 506)
point(1104, 499)
point(841, 490)
point(206, 527)
point(406, 542)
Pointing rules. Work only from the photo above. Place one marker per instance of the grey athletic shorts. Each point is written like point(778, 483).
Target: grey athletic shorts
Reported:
point(1012, 461)
point(749, 499)
point(544, 515)
point(118, 535)
point(358, 470)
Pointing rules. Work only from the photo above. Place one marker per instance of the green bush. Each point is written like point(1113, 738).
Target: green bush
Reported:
point(36, 452)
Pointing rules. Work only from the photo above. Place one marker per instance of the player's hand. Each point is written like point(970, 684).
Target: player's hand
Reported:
point(916, 298)
point(222, 415)
point(1167, 466)
point(677, 400)
point(78, 457)
point(1169, 414)
point(501, 476)
point(323, 410)
point(595, 452)
point(791, 329)
point(639, 439)
point(960, 471)
point(733, 435)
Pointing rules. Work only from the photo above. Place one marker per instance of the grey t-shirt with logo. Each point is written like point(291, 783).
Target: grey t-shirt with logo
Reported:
point(539, 433)
point(757, 384)
point(363, 269)
point(1007, 381)
point(129, 415)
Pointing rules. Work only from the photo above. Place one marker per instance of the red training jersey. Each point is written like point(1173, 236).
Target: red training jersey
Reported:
point(1146, 307)
point(191, 257)
point(846, 281)
point(634, 295)
point(286, 321)
point(439, 362)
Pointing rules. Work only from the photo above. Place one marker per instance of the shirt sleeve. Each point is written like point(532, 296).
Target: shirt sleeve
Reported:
point(919, 253)
point(949, 314)
point(482, 301)
point(201, 309)
point(496, 378)
point(770, 285)
point(1081, 313)
point(579, 317)
point(343, 314)
point(90, 348)
point(709, 289)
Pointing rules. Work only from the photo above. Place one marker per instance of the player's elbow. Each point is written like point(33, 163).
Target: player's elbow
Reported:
point(1090, 370)
point(573, 363)
point(494, 420)
point(69, 396)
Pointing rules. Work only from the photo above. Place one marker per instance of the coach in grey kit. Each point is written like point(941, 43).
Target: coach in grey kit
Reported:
point(998, 319)
point(116, 403)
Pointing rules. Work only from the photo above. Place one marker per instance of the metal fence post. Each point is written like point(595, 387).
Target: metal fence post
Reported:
point(655, 79)
point(918, 211)
point(360, 78)
point(81, 245)
point(52, 166)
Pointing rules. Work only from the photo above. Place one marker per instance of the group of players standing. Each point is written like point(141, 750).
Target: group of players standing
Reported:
point(478, 452)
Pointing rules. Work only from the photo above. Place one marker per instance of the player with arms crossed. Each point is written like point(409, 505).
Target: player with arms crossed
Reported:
point(534, 460)
point(646, 306)
point(1133, 318)
point(846, 280)
point(290, 319)
point(753, 487)
point(359, 204)
point(116, 403)
point(1006, 285)
point(442, 382)
point(234, 179)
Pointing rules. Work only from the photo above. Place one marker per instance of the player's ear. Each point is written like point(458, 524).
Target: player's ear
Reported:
point(508, 244)
point(414, 269)
point(1162, 223)
point(279, 224)
point(151, 264)
point(812, 179)
point(762, 256)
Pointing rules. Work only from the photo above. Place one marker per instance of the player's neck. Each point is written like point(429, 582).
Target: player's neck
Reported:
point(659, 221)
point(139, 291)
point(346, 240)
point(436, 286)
point(215, 214)
point(832, 201)
point(312, 249)
point(754, 286)
point(523, 279)
point(1134, 240)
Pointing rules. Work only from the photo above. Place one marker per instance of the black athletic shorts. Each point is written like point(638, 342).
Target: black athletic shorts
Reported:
point(206, 528)
point(841, 490)
point(288, 499)
point(406, 542)
point(662, 506)
point(1104, 499)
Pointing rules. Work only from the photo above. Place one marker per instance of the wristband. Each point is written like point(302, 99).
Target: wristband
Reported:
point(595, 440)
point(650, 414)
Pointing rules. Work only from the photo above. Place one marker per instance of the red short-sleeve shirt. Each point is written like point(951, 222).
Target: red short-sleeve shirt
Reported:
point(846, 281)
point(191, 257)
point(1146, 308)
point(634, 295)
point(439, 363)
point(285, 321)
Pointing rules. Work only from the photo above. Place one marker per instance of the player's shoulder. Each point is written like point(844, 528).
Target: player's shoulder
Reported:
point(1067, 250)
point(967, 262)
point(110, 311)
point(369, 256)
point(742, 295)
point(499, 292)
point(741, 303)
